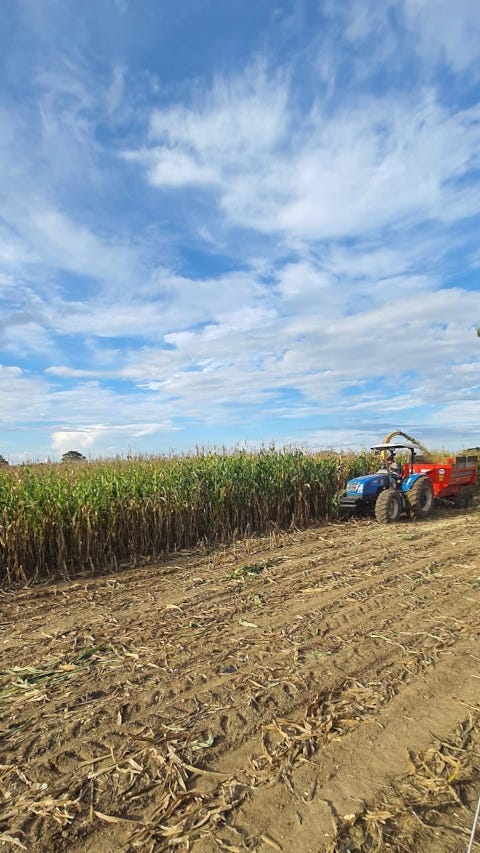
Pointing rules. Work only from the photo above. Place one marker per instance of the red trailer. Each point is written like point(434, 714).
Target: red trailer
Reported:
point(454, 478)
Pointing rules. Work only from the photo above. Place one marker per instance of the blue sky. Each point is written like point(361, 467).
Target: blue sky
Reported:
point(230, 223)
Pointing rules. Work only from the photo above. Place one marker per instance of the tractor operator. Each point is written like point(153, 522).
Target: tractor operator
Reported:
point(392, 468)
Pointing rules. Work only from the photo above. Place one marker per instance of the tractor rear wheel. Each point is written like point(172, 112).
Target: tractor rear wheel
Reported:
point(420, 497)
point(388, 506)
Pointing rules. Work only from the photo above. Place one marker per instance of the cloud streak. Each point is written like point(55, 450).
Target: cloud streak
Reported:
point(317, 176)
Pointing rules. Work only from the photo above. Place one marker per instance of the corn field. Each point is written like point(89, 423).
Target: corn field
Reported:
point(58, 520)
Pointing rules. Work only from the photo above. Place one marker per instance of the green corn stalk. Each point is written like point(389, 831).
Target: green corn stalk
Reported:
point(58, 520)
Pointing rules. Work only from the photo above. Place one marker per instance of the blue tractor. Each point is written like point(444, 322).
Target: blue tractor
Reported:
point(392, 491)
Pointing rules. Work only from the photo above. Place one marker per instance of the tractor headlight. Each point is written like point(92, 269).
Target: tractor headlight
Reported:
point(356, 488)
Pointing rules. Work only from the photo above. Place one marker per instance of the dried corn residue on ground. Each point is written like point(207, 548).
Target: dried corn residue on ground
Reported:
point(308, 692)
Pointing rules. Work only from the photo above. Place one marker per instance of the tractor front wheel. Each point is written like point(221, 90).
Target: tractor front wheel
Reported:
point(420, 497)
point(388, 507)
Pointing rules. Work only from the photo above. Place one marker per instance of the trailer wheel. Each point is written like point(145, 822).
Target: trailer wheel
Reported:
point(465, 497)
point(420, 497)
point(388, 506)
point(471, 492)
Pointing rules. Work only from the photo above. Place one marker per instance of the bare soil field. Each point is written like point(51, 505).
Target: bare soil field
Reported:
point(313, 691)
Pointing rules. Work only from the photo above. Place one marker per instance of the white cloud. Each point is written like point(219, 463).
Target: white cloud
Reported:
point(447, 31)
point(12, 251)
point(362, 19)
point(22, 396)
point(320, 174)
point(61, 243)
point(322, 352)
point(214, 127)
point(166, 303)
point(173, 168)
point(53, 176)
point(242, 119)
point(103, 437)
point(74, 373)
point(116, 91)
point(401, 31)
point(24, 337)
point(83, 439)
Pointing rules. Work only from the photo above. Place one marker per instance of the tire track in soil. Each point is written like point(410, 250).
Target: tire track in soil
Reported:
point(429, 807)
point(316, 612)
point(327, 794)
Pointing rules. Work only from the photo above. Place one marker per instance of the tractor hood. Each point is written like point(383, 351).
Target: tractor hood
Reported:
point(369, 484)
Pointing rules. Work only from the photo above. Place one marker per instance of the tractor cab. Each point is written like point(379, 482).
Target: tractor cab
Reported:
point(389, 466)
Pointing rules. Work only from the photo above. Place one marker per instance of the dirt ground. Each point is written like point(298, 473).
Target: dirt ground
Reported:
point(314, 691)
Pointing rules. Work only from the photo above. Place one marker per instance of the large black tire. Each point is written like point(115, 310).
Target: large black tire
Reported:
point(470, 496)
point(465, 497)
point(388, 507)
point(420, 497)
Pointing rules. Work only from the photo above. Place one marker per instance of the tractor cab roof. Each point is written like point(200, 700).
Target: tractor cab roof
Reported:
point(391, 445)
